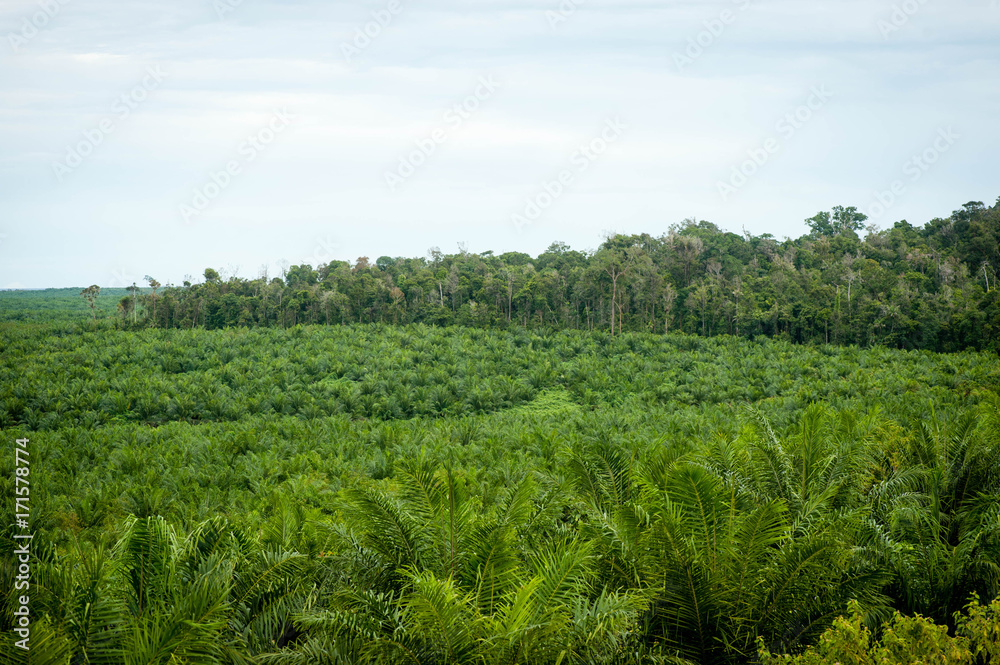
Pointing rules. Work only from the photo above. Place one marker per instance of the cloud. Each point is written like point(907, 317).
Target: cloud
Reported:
point(324, 177)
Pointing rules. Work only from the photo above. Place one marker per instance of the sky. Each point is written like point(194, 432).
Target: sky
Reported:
point(160, 138)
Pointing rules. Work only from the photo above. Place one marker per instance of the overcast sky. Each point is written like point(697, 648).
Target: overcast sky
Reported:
point(502, 124)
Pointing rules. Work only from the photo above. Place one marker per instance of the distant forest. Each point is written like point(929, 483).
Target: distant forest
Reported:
point(914, 287)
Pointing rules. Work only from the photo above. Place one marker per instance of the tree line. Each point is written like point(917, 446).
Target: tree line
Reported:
point(931, 287)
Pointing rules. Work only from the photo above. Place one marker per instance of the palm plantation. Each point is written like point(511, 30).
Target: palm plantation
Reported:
point(504, 493)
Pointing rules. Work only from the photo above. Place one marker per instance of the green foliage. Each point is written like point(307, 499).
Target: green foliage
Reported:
point(904, 640)
point(414, 494)
point(393, 373)
point(64, 306)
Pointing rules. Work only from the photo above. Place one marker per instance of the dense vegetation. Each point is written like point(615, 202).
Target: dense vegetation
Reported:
point(46, 306)
point(620, 456)
point(932, 287)
point(419, 494)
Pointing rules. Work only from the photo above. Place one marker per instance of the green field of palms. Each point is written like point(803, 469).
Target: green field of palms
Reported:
point(372, 493)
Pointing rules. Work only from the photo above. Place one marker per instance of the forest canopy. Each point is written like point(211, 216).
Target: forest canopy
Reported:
point(929, 287)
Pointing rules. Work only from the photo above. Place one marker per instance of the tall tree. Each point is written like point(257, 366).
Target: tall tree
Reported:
point(90, 295)
point(153, 284)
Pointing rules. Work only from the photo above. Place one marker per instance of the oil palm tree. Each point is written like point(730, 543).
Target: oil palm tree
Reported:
point(944, 508)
